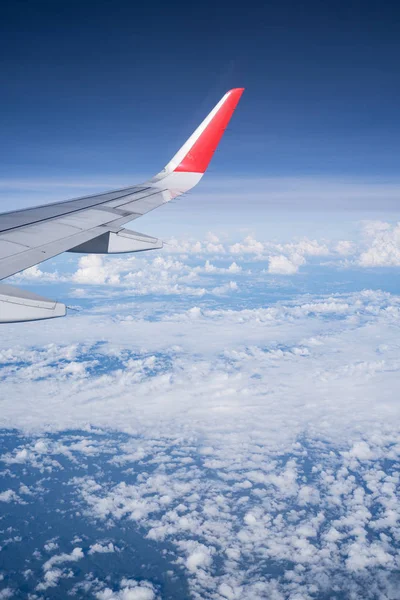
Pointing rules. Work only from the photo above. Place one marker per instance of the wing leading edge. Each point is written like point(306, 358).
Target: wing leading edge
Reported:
point(94, 224)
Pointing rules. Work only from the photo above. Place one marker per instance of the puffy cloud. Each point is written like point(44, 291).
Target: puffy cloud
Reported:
point(53, 574)
point(189, 267)
point(35, 273)
point(361, 450)
point(220, 290)
point(58, 559)
point(52, 578)
point(102, 548)
point(50, 546)
point(247, 338)
point(200, 391)
point(249, 246)
point(160, 273)
point(129, 590)
point(9, 496)
point(211, 522)
point(345, 247)
point(282, 265)
point(199, 556)
point(383, 245)
point(141, 276)
point(210, 268)
point(93, 270)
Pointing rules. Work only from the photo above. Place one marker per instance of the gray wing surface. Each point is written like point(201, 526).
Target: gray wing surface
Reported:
point(29, 237)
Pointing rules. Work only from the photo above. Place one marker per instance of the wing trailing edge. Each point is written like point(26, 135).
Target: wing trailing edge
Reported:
point(18, 306)
point(122, 242)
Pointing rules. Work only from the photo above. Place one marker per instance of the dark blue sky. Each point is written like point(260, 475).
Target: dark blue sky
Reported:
point(115, 87)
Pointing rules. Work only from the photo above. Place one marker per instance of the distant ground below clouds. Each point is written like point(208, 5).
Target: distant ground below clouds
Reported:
point(217, 420)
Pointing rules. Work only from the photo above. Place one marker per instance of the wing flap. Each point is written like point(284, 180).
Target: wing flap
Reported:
point(19, 305)
point(118, 243)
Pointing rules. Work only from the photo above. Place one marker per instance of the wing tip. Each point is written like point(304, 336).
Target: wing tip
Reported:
point(200, 153)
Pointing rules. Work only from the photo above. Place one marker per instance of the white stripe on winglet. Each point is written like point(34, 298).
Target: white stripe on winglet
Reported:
point(180, 155)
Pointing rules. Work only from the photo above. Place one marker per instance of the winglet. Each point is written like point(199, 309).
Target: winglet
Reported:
point(196, 153)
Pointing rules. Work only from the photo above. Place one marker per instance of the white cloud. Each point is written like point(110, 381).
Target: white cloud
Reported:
point(202, 391)
point(210, 268)
point(36, 274)
point(92, 270)
point(345, 247)
point(231, 386)
point(160, 273)
point(221, 290)
point(102, 548)
point(199, 556)
point(249, 246)
point(190, 267)
point(383, 248)
point(50, 546)
point(129, 590)
point(361, 450)
point(9, 496)
point(281, 265)
point(58, 559)
point(52, 578)
point(53, 574)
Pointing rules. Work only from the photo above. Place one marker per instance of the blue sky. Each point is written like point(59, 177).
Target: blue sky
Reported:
point(95, 99)
point(116, 89)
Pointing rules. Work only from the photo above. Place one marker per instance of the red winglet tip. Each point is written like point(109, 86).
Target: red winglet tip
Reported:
point(201, 153)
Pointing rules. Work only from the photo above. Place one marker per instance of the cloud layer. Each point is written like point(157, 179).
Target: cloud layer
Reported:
point(243, 444)
point(248, 435)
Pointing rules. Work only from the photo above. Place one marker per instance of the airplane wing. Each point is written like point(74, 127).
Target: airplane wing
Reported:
point(94, 224)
